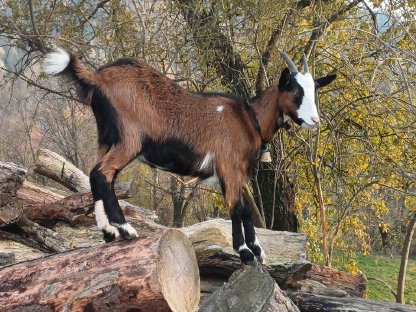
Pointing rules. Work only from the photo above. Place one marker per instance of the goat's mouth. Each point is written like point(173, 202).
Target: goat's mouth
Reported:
point(306, 125)
point(309, 126)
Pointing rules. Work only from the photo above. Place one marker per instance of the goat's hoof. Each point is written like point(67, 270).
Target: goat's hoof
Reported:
point(110, 233)
point(127, 231)
point(259, 253)
point(247, 257)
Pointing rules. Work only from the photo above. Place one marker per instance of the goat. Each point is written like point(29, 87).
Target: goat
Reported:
point(142, 114)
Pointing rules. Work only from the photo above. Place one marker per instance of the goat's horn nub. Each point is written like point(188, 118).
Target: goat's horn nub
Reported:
point(292, 66)
point(305, 64)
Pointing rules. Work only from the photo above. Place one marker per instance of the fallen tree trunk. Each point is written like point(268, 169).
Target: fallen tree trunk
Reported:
point(285, 251)
point(49, 239)
point(59, 169)
point(249, 289)
point(11, 178)
point(312, 303)
point(156, 273)
point(72, 209)
point(354, 285)
point(62, 171)
point(30, 193)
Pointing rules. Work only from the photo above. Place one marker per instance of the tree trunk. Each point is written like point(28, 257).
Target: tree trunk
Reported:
point(212, 241)
point(249, 289)
point(59, 169)
point(353, 285)
point(405, 257)
point(313, 303)
point(277, 195)
point(72, 209)
point(156, 273)
point(11, 178)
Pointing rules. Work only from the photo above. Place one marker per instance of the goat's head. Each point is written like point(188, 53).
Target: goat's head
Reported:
point(297, 93)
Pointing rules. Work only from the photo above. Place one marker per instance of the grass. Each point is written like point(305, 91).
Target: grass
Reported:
point(382, 272)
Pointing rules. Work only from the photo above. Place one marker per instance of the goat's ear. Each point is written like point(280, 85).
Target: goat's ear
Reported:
point(284, 79)
point(323, 81)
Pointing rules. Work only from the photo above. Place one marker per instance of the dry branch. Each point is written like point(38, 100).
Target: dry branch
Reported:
point(156, 273)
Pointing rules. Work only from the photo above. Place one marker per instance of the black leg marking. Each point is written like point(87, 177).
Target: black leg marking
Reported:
point(108, 213)
point(249, 232)
point(239, 244)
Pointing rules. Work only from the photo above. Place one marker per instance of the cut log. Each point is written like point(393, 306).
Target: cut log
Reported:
point(157, 273)
point(249, 289)
point(30, 193)
point(62, 171)
point(49, 239)
point(352, 284)
point(285, 251)
point(313, 303)
point(11, 178)
point(59, 169)
point(72, 209)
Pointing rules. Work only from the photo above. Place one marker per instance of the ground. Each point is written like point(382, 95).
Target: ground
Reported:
point(387, 269)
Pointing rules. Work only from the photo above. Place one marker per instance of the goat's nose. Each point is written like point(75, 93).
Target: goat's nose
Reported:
point(316, 120)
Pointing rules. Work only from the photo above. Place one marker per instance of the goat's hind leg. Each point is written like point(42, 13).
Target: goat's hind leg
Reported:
point(108, 213)
point(250, 235)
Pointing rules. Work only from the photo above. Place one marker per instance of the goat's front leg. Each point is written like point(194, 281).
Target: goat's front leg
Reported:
point(108, 213)
point(239, 245)
point(250, 235)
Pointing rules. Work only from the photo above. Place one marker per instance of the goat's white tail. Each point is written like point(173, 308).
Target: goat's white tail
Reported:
point(56, 62)
point(61, 62)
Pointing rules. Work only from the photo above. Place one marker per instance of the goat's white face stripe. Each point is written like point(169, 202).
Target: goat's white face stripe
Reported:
point(307, 110)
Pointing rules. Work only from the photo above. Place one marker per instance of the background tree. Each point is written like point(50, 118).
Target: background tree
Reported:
point(351, 184)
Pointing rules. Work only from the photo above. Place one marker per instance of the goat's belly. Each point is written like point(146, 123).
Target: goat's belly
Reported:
point(169, 155)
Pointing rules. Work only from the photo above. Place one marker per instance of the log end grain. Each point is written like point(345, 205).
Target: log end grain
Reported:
point(178, 272)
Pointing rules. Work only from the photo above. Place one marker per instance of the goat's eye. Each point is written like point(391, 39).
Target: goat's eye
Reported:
point(294, 92)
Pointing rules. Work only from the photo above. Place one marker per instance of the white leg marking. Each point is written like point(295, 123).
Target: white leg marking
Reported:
point(262, 254)
point(242, 247)
point(129, 229)
point(102, 220)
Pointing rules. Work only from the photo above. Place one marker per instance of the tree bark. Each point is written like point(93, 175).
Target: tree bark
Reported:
point(353, 285)
point(11, 178)
point(59, 169)
point(49, 239)
point(156, 273)
point(312, 303)
point(277, 194)
point(72, 209)
point(31, 193)
point(249, 289)
point(285, 252)
point(405, 258)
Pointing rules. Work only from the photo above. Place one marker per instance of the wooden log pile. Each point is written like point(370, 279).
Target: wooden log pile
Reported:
point(52, 258)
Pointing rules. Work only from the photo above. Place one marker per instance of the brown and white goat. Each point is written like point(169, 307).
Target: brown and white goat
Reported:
point(143, 114)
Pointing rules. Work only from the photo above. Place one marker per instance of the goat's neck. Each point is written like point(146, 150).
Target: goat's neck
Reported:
point(267, 112)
